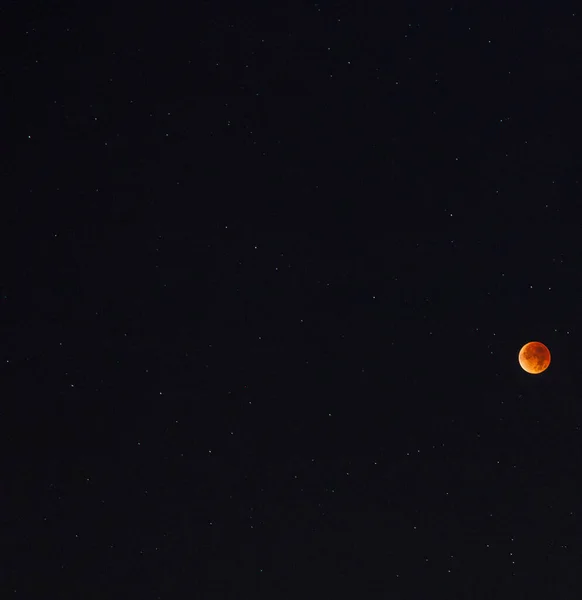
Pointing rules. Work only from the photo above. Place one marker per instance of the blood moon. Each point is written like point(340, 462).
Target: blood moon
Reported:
point(534, 358)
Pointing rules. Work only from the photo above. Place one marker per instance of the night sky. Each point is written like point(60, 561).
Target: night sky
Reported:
point(266, 271)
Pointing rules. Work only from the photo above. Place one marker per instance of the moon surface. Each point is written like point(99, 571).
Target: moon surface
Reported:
point(534, 358)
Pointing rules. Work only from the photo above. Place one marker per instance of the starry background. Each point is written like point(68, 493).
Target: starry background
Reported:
point(266, 271)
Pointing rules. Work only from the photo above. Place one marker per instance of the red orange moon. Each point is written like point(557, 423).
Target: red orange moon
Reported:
point(534, 358)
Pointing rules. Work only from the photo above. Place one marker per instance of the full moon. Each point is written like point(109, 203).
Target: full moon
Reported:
point(534, 358)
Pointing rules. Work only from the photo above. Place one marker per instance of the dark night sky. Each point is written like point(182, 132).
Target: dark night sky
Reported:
point(266, 272)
